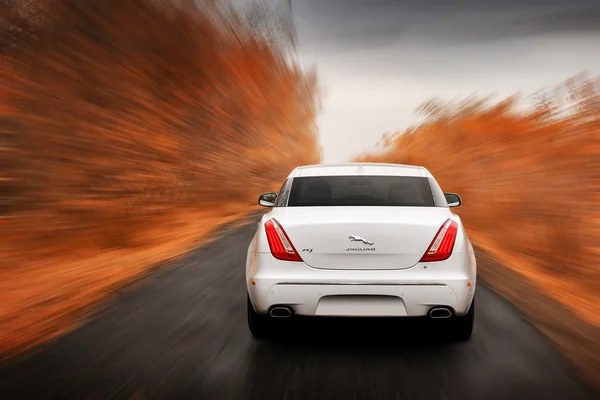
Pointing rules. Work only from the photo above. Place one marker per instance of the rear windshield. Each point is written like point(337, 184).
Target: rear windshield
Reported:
point(407, 191)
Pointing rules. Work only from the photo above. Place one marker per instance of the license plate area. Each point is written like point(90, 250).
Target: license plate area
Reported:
point(361, 306)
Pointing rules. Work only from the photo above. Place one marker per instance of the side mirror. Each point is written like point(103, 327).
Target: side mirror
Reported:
point(453, 199)
point(267, 199)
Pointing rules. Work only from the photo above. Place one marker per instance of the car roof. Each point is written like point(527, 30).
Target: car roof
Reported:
point(359, 168)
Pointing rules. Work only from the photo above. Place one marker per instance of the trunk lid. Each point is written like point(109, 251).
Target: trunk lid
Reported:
point(361, 238)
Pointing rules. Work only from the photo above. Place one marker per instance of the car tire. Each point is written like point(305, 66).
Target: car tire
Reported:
point(257, 323)
point(463, 326)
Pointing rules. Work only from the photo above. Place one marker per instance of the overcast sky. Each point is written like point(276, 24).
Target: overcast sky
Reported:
point(379, 59)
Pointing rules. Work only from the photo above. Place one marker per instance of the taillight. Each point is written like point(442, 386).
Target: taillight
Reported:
point(443, 243)
point(280, 244)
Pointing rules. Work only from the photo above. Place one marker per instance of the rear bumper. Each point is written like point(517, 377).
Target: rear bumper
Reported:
point(315, 292)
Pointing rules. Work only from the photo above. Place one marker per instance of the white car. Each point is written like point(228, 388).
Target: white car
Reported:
point(361, 240)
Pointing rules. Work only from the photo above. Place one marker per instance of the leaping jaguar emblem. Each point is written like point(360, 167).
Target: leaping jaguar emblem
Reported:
point(359, 239)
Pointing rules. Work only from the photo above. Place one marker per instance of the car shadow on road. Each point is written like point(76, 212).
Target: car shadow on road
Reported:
point(361, 333)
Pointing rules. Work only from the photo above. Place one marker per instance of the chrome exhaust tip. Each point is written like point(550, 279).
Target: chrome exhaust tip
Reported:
point(440, 312)
point(280, 312)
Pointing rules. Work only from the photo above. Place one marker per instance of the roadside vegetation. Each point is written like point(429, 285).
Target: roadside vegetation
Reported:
point(530, 182)
point(128, 132)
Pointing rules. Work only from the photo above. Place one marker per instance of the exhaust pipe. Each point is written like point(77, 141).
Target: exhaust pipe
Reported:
point(440, 312)
point(280, 312)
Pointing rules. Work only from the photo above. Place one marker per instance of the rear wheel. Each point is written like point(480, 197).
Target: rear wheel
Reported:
point(257, 323)
point(463, 326)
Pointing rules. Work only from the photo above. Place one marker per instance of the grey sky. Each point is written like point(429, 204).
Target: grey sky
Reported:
point(379, 59)
point(344, 24)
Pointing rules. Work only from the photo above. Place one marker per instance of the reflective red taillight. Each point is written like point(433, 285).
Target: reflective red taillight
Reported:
point(443, 243)
point(279, 243)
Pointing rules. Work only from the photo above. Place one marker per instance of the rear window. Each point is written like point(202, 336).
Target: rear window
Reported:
point(407, 191)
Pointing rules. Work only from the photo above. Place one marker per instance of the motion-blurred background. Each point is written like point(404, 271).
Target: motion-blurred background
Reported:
point(129, 130)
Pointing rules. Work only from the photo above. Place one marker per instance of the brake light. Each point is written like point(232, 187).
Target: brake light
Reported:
point(443, 243)
point(279, 243)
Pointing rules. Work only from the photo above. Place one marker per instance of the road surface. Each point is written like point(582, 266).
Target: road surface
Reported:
point(183, 335)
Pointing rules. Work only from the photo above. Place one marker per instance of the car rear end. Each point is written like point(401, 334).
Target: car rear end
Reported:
point(361, 240)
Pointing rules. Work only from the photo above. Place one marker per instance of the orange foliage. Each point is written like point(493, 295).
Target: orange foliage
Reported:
point(125, 126)
point(530, 181)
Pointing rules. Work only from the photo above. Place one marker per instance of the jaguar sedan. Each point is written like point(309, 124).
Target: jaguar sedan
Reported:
point(361, 240)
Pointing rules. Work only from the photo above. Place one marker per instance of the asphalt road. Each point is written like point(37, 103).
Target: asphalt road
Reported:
point(183, 334)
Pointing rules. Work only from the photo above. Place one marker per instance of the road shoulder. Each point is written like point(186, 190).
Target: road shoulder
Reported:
point(576, 340)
